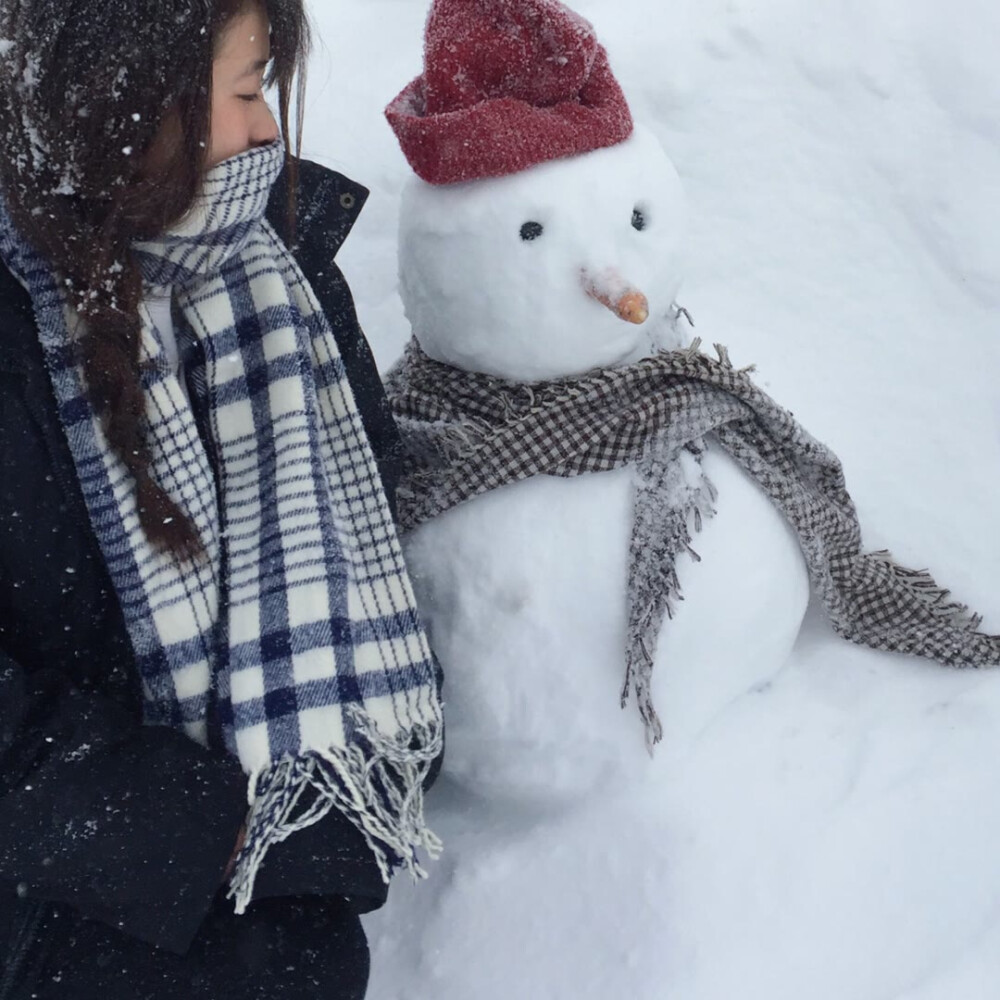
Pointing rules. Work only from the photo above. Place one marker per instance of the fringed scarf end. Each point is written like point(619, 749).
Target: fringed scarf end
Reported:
point(654, 589)
point(931, 595)
point(379, 788)
point(640, 674)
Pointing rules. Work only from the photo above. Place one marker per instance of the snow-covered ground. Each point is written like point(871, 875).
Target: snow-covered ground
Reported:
point(831, 835)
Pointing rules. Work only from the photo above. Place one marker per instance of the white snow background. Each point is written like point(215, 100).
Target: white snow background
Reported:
point(836, 834)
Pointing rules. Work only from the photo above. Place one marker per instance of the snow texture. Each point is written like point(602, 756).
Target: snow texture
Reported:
point(825, 829)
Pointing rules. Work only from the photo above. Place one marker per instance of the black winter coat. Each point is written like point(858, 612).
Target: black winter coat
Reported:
point(114, 836)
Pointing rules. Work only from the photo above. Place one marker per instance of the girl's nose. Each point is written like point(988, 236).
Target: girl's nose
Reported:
point(264, 129)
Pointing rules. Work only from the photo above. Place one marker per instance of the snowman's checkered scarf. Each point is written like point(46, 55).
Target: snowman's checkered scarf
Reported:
point(298, 631)
point(467, 433)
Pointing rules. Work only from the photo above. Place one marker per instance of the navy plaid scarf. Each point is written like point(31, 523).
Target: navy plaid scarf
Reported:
point(300, 626)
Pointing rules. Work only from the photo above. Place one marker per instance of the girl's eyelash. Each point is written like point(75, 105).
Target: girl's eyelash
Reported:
point(249, 98)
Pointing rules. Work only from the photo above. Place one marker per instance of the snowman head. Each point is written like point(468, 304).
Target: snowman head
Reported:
point(567, 266)
point(542, 238)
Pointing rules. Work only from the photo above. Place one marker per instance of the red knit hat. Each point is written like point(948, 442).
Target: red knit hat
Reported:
point(506, 84)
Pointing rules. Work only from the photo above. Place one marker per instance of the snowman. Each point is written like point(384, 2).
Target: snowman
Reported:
point(542, 238)
point(540, 260)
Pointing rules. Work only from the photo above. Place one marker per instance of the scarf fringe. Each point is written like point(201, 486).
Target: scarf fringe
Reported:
point(925, 588)
point(661, 596)
point(378, 787)
point(693, 350)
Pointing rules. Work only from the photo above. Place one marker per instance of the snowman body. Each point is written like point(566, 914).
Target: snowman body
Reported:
point(524, 588)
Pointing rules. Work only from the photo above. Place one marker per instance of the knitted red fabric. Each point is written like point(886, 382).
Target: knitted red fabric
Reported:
point(506, 84)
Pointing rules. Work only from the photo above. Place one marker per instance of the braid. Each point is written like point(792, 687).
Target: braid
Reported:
point(110, 355)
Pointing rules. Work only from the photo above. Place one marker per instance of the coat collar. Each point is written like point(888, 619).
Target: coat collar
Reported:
point(327, 207)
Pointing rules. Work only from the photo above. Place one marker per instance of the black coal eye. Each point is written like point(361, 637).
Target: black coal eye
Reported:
point(531, 231)
point(638, 219)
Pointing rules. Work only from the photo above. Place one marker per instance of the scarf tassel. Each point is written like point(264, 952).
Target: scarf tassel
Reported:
point(930, 594)
point(378, 787)
point(650, 600)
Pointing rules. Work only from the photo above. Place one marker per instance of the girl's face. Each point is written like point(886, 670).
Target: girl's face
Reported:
point(241, 119)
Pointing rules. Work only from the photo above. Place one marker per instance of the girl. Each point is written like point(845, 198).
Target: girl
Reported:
point(201, 588)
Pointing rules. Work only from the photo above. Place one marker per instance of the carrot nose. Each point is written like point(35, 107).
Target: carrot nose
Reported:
point(615, 293)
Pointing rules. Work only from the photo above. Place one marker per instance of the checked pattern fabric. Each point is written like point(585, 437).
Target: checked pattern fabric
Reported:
point(467, 433)
point(297, 635)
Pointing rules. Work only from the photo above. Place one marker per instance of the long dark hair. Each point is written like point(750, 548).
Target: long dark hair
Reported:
point(86, 86)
